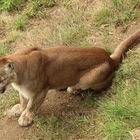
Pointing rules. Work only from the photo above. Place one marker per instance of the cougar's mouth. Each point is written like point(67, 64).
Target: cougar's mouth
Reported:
point(2, 90)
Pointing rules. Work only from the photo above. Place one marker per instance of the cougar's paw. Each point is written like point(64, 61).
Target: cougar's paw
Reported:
point(70, 90)
point(74, 91)
point(15, 111)
point(25, 119)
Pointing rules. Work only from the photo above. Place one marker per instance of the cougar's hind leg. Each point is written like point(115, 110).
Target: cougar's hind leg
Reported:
point(103, 85)
point(91, 78)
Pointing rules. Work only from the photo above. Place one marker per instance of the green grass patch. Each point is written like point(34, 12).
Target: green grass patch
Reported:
point(10, 5)
point(7, 100)
point(109, 50)
point(121, 111)
point(117, 13)
point(35, 7)
point(19, 23)
point(48, 127)
point(81, 121)
point(26, 10)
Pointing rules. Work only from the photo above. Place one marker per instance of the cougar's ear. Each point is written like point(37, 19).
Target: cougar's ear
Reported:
point(9, 67)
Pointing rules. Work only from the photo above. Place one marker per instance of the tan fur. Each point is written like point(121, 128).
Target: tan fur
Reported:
point(34, 71)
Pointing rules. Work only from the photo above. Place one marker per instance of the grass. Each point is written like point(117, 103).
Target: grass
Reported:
point(117, 13)
point(32, 5)
point(19, 23)
point(23, 12)
point(32, 9)
point(10, 5)
point(49, 127)
point(121, 111)
point(7, 100)
point(70, 32)
point(26, 10)
point(3, 49)
point(71, 29)
point(11, 37)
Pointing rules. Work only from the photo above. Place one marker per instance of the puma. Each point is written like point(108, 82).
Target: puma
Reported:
point(34, 71)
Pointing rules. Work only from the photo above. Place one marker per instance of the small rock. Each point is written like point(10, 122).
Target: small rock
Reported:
point(135, 133)
point(110, 33)
point(104, 26)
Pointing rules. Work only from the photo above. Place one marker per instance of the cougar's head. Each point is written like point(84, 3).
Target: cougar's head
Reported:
point(7, 73)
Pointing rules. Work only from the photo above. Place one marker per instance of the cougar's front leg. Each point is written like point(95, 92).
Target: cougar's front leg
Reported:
point(19, 108)
point(26, 117)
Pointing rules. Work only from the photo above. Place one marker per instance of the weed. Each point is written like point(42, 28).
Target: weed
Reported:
point(31, 9)
point(80, 121)
point(109, 50)
point(119, 12)
point(117, 130)
point(11, 37)
point(50, 127)
point(3, 49)
point(89, 99)
point(103, 16)
point(19, 23)
point(10, 5)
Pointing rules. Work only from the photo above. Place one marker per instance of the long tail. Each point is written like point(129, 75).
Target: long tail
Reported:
point(124, 47)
